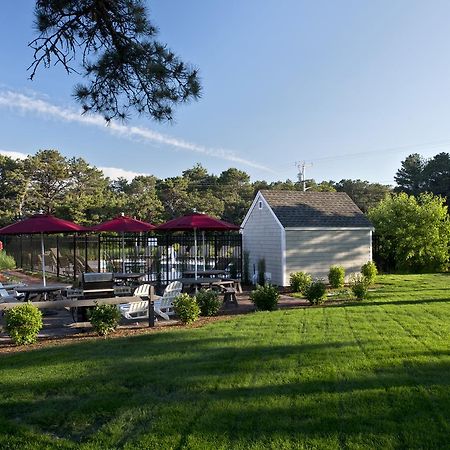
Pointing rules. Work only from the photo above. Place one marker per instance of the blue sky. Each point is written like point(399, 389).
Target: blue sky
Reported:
point(352, 87)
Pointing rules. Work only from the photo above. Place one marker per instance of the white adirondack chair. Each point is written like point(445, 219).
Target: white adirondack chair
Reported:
point(142, 291)
point(163, 306)
point(136, 310)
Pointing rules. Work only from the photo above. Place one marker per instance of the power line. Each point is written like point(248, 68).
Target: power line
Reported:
point(424, 145)
point(435, 144)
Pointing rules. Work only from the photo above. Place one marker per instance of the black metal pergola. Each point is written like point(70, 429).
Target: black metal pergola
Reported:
point(161, 257)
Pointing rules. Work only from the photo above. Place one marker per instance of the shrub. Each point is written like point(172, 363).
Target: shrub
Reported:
point(208, 302)
point(262, 272)
point(336, 276)
point(265, 298)
point(369, 271)
point(413, 232)
point(104, 318)
point(344, 294)
point(359, 286)
point(300, 281)
point(186, 308)
point(6, 261)
point(316, 292)
point(23, 323)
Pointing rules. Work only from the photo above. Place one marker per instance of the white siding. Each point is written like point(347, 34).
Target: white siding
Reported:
point(261, 237)
point(314, 251)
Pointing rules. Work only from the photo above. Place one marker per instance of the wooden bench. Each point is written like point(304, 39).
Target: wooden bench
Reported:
point(233, 282)
point(229, 296)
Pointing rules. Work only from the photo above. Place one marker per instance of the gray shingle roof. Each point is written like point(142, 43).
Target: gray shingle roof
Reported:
point(315, 209)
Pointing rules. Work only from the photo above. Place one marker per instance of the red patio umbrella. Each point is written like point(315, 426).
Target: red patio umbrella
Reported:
point(197, 221)
point(123, 224)
point(42, 224)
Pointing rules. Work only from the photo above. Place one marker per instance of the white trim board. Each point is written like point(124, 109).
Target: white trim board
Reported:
point(328, 228)
point(259, 196)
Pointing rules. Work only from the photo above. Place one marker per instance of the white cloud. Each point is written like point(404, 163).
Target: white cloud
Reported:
point(31, 104)
point(13, 154)
point(111, 172)
point(114, 173)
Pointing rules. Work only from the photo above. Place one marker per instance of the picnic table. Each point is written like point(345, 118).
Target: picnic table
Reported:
point(40, 289)
point(205, 282)
point(12, 286)
point(203, 273)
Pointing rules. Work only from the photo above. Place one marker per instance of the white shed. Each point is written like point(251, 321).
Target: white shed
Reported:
point(305, 231)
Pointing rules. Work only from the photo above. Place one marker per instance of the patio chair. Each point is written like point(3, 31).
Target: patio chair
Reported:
point(136, 310)
point(142, 291)
point(163, 306)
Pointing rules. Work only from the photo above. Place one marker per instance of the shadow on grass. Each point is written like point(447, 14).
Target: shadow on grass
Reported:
point(374, 302)
point(169, 389)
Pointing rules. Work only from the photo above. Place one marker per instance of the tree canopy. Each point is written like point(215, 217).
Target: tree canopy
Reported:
point(418, 175)
point(112, 44)
point(73, 189)
point(414, 232)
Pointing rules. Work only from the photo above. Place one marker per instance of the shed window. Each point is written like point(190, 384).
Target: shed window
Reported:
point(260, 204)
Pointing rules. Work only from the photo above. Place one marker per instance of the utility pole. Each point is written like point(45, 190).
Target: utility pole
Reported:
point(301, 166)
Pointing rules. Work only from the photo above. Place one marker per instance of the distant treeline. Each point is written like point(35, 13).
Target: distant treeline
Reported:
point(71, 188)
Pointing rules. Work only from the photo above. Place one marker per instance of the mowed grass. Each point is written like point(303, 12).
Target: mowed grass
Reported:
point(373, 375)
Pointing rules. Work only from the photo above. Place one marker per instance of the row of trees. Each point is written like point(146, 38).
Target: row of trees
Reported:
point(72, 188)
point(413, 230)
point(418, 175)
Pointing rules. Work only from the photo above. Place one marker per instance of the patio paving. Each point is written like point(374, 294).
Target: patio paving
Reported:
point(59, 323)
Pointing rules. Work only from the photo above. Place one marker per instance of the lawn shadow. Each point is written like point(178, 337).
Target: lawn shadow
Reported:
point(371, 302)
point(168, 390)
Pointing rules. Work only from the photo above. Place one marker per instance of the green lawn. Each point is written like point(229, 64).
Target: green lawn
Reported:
point(371, 375)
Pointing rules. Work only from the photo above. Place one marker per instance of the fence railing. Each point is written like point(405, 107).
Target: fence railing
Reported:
point(161, 257)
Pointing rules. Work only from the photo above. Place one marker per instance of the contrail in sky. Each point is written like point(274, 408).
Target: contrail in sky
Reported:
point(21, 102)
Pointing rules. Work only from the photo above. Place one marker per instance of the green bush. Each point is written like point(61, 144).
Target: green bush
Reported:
point(413, 232)
point(300, 281)
point(265, 298)
point(369, 271)
point(186, 308)
point(23, 323)
point(6, 261)
point(336, 276)
point(316, 292)
point(359, 286)
point(208, 302)
point(104, 318)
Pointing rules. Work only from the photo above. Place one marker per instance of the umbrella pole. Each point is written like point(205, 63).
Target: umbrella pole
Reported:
point(123, 251)
point(195, 250)
point(204, 250)
point(42, 259)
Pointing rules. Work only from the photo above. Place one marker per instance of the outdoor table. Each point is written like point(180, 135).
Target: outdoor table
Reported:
point(209, 283)
point(40, 289)
point(12, 286)
point(203, 273)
